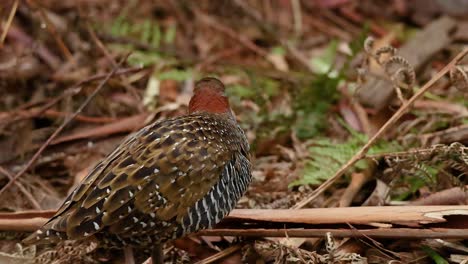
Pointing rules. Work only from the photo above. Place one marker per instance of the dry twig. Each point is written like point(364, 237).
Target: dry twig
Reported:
point(8, 22)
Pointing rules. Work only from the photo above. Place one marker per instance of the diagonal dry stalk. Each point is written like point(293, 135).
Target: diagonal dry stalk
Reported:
point(362, 152)
point(22, 189)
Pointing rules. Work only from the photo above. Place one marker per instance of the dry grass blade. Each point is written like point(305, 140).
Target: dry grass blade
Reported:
point(8, 22)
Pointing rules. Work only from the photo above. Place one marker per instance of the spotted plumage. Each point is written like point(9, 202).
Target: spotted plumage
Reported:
point(170, 178)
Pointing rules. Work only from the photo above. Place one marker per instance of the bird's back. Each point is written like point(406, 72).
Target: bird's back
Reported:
point(170, 178)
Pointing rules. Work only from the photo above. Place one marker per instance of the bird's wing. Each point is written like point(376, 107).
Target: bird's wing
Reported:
point(161, 171)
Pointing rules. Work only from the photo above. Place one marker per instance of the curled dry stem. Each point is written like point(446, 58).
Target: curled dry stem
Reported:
point(459, 78)
point(400, 72)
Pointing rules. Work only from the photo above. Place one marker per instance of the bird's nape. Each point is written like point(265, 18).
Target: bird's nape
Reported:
point(209, 97)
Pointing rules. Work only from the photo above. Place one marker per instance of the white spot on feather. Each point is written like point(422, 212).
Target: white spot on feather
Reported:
point(96, 226)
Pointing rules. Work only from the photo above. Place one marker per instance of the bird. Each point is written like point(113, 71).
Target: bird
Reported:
point(170, 178)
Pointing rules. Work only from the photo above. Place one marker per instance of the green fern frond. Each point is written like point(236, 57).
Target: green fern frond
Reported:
point(326, 156)
point(148, 31)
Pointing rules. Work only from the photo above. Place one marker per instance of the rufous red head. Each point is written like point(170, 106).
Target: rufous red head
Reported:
point(208, 96)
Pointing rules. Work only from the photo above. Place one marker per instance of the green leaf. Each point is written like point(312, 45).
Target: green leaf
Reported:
point(178, 75)
point(116, 26)
point(156, 36)
point(279, 50)
point(438, 259)
point(312, 103)
point(124, 29)
point(139, 58)
point(170, 34)
point(323, 64)
point(146, 31)
point(271, 87)
point(241, 91)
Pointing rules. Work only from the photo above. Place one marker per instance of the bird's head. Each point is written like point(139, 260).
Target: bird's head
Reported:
point(208, 96)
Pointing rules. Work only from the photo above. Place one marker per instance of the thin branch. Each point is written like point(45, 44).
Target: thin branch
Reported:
point(354, 215)
point(402, 233)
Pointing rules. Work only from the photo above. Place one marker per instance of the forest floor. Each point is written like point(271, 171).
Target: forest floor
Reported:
point(356, 113)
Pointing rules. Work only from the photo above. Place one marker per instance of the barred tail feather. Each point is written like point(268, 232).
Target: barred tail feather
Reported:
point(45, 235)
